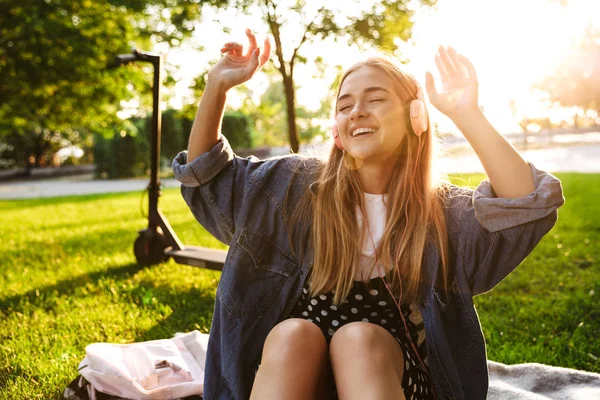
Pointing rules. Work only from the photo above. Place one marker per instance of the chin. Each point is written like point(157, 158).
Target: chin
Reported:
point(367, 153)
point(374, 156)
point(361, 155)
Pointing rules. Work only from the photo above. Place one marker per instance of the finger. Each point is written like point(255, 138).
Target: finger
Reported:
point(450, 68)
point(461, 70)
point(266, 54)
point(236, 59)
point(233, 52)
point(253, 64)
point(470, 68)
point(252, 40)
point(441, 69)
point(233, 48)
point(430, 85)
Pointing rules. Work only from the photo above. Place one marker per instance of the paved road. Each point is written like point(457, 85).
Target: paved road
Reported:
point(580, 158)
point(574, 158)
point(62, 187)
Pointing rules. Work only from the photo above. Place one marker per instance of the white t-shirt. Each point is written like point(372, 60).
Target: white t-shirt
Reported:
point(376, 216)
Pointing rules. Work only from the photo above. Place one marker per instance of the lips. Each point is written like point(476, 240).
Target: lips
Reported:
point(360, 131)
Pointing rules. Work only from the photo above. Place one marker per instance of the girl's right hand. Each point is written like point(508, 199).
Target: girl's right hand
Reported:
point(236, 67)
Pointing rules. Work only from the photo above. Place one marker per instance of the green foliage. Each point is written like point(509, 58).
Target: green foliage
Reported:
point(53, 65)
point(125, 151)
point(173, 135)
point(123, 148)
point(53, 58)
point(126, 154)
point(386, 22)
point(142, 136)
point(102, 156)
point(238, 129)
point(11, 153)
point(169, 21)
point(270, 117)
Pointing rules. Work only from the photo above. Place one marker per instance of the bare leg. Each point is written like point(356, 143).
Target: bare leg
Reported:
point(367, 362)
point(294, 364)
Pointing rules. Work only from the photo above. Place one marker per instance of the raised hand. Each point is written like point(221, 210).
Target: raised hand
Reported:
point(237, 66)
point(459, 94)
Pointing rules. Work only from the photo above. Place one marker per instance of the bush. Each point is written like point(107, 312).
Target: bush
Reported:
point(127, 153)
point(173, 134)
point(121, 156)
point(238, 129)
point(124, 156)
point(102, 156)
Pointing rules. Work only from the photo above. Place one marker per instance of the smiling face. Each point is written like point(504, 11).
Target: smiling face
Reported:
point(370, 116)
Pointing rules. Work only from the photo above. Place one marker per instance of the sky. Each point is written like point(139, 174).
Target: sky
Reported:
point(512, 43)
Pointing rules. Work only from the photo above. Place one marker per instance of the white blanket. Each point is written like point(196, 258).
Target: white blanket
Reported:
point(534, 381)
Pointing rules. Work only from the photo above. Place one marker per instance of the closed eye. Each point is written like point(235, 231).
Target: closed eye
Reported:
point(344, 107)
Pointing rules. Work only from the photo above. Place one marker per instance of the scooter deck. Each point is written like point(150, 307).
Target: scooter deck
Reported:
point(199, 257)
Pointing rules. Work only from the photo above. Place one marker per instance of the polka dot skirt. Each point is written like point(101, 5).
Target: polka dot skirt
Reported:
point(371, 302)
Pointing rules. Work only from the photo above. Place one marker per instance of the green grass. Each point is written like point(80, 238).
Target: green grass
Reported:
point(68, 278)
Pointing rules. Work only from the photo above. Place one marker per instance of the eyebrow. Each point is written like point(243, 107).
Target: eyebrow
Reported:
point(367, 90)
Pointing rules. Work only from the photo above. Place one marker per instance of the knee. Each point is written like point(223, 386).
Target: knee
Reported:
point(293, 338)
point(360, 339)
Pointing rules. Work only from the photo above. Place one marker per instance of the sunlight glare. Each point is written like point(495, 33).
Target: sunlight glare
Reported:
point(512, 44)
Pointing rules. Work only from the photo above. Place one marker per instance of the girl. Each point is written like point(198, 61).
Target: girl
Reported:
point(353, 277)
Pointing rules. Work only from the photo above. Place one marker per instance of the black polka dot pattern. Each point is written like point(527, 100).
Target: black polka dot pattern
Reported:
point(371, 302)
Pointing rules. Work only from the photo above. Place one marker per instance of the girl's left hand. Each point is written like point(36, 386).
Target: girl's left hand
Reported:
point(459, 84)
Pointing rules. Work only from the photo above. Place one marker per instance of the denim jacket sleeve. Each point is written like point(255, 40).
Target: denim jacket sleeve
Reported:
point(213, 186)
point(496, 234)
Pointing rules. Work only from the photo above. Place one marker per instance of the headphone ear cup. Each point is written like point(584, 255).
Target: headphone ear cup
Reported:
point(418, 117)
point(336, 137)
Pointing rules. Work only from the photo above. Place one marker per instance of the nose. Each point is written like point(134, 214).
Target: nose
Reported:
point(357, 112)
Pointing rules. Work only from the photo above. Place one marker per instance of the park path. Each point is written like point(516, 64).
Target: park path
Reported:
point(571, 158)
point(73, 187)
point(577, 158)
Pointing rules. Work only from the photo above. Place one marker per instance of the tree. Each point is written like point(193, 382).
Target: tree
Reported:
point(51, 68)
point(53, 59)
point(380, 24)
point(576, 80)
point(269, 115)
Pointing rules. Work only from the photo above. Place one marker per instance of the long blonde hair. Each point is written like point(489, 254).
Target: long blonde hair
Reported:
point(415, 213)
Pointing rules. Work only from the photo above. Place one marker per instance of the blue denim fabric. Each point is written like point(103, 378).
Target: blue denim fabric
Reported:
point(241, 201)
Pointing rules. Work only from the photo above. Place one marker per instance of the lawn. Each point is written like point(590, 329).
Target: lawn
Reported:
point(68, 278)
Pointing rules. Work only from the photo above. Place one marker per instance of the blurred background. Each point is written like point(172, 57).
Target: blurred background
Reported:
point(63, 111)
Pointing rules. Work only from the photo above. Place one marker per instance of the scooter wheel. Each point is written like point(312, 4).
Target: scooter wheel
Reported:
point(149, 248)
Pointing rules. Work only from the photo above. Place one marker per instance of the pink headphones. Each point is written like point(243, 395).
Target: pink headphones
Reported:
point(417, 115)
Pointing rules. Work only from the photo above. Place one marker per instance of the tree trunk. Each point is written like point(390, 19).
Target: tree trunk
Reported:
point(38, 150)
point(288, 84)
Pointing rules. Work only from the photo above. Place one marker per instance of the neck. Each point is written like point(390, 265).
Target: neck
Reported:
point(375, 177)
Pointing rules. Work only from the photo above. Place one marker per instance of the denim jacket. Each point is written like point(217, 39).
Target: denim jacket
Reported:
point(242, 202)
